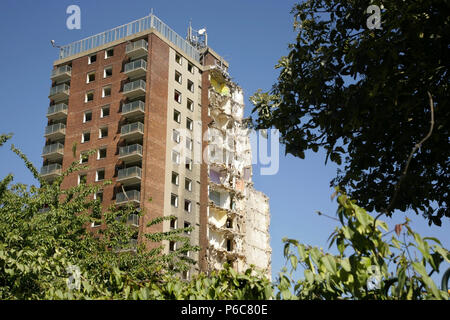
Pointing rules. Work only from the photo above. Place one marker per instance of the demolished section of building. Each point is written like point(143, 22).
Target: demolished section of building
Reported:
point(238, 215)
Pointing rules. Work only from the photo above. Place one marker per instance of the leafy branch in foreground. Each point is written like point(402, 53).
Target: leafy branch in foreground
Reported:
point(367, 266)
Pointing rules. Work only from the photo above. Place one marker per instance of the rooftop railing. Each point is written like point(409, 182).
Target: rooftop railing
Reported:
point(126, 30)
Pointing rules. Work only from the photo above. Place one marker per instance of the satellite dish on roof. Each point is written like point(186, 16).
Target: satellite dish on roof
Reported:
point(201, 31)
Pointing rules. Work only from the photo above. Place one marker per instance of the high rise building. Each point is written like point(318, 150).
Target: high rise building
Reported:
point(167, 124)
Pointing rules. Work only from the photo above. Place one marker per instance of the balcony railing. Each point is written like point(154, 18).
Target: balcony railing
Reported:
point(132, 152)
point(136, 68)
point(133, 108)
point(62, 73)
point(59, 92)
point(132, 195)
point(57, 130)
point(133, 219)
point(57, 111)
point(132, 130)
point(53, 151)
point(51, 170)
point(130, 175)
point(137, 48)
point(134, 89)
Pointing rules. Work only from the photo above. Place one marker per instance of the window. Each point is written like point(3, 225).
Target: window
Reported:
point(190, 86)
point(85, 137)
point(175, 157)
point(178, 59)
point(176, 136)
point(99, 196)
point(82, 178)
point(190, 105)
point(188, 184)
point(100, 175)
point(177, 96)
point(178, 77)
point(107, 72)
point(176, 116)
point(188, 164)
point(106, 92)
point(101, 153)
point(173, 223)
point(189, 124)
point(174, 200)
point(104, 112)
point(187, 205)
point(189, 144)
point(103, 132)
point(229, 246)
point(172, 246)
point(92, 59)
point(229, 223)
point(89, 96)
point(87, 116)
point(190, 68)
point(84, 158)
point(90, 77)
point(187, 225)
point(185, 275)
point(109, 53)
point(175, 177)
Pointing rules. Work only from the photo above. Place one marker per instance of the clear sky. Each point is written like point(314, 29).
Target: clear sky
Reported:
point(251, 34)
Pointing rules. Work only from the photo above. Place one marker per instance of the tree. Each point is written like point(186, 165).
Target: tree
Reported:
point(43, 233)
point(47, 251)
point(368, 97)
point(368, 266)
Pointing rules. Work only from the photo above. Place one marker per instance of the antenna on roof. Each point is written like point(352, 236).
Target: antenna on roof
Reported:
point(53, 44)
point(198, 38)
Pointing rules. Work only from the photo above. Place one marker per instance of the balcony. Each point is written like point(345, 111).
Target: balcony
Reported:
point(132, 131)
point(51, 171)
point(137, 49)
point(59, 92)
point(133, 109)
point(131, 153)
point(136, 69)
point(61, 74)
point(132, 219)
point(133, 196)
point(134, 89)
point(57, 111)
point(130, 176)
point(55, 131)
point(53, 151)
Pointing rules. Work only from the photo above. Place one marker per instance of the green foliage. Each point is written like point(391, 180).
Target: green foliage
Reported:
point(44, 241)
point(368, 266)
point(360, 94)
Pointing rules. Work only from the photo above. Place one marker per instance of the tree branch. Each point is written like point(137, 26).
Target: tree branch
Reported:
point(413, 151)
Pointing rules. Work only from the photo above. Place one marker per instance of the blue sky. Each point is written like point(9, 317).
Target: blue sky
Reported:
point(252, 35)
